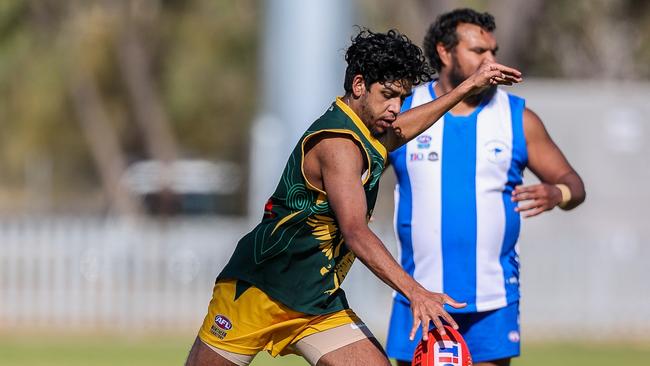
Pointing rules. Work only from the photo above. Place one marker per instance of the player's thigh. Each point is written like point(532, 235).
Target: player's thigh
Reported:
point(365, 352)
point(202, 355)
point(347, 344)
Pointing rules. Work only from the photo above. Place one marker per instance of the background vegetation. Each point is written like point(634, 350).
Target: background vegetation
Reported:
point(88, 87)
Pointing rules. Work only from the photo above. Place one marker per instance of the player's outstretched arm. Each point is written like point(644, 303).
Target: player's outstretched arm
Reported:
point(560, 184)
point(413, 122)
point(341, 165)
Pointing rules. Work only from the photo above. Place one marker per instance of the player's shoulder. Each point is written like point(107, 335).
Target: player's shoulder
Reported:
point(329, 143)
point(533, 125)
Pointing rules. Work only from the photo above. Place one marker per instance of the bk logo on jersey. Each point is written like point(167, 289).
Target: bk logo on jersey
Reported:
point(416, 157)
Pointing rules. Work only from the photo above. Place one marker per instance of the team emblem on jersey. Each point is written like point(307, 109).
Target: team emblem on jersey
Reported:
point(268, 210)
point(497, 151)
point(424, 141)
point(433, 156)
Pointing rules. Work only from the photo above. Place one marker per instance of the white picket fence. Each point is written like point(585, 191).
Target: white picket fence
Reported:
point(81, 273)
point(585, 278)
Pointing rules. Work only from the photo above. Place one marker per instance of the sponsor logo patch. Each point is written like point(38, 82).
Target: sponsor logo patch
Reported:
point(416, 157)
point(221, 326)
point(433, 156)
point(513, 336)
point(424, 141)
point(218, 332)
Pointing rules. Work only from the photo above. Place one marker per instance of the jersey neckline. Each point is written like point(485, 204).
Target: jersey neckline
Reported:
point(472, 115)
point(362, 127)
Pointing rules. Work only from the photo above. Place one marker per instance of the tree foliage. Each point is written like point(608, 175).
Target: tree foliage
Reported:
point(201, 60)
point(198, 72)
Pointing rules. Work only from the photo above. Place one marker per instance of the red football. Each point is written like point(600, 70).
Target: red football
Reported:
point(447, 350)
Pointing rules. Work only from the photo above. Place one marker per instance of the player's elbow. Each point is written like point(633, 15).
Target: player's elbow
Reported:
point(580, 194)
point(579, 198)
point(354, 234)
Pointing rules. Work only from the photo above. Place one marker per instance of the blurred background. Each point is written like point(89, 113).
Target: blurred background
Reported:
point(139, 141)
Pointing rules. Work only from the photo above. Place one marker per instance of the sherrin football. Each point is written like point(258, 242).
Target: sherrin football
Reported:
point(447, 350)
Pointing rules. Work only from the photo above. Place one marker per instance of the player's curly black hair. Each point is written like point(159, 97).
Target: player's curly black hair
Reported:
point(382, 57)
point(443, 30)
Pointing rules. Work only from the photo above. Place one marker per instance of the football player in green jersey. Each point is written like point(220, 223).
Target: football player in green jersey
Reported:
point(280, 291)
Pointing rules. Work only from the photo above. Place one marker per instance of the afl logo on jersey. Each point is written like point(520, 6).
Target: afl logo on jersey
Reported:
point(497, 151)
point(223, 322)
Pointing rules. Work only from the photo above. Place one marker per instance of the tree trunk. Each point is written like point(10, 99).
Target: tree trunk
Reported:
point(102, 141)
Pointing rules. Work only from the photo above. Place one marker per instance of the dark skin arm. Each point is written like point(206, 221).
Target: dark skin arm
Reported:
point(335, 164)
point(413, 122)
point(548, 163)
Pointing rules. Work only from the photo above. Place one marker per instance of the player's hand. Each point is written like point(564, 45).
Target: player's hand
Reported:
point(428, 307)
point(491, 73)
point(537, 198)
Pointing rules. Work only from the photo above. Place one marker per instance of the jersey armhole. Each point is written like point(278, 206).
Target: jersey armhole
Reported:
point(336, 131)
point(517, 110)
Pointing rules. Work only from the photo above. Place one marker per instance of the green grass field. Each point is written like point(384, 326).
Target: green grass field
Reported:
point(100, 351)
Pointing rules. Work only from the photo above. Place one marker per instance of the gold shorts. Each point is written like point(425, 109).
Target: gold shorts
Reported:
point(255, 322)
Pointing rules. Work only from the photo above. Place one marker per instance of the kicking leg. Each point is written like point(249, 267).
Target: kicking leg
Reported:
point(203, 355)
point(366, 352)
point(350, 344)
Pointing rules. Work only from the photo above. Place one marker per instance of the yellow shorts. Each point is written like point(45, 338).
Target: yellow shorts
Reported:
point(255, 322)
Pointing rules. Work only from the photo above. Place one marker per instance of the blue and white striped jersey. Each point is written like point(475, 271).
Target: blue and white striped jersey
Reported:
point(455, 221)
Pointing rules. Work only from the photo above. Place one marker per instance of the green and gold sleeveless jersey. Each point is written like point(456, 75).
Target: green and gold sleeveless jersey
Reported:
point(297, 254)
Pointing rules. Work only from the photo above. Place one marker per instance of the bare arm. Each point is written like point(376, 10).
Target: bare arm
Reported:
point(548, 163)
point(341, 164)
point(413, 122)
